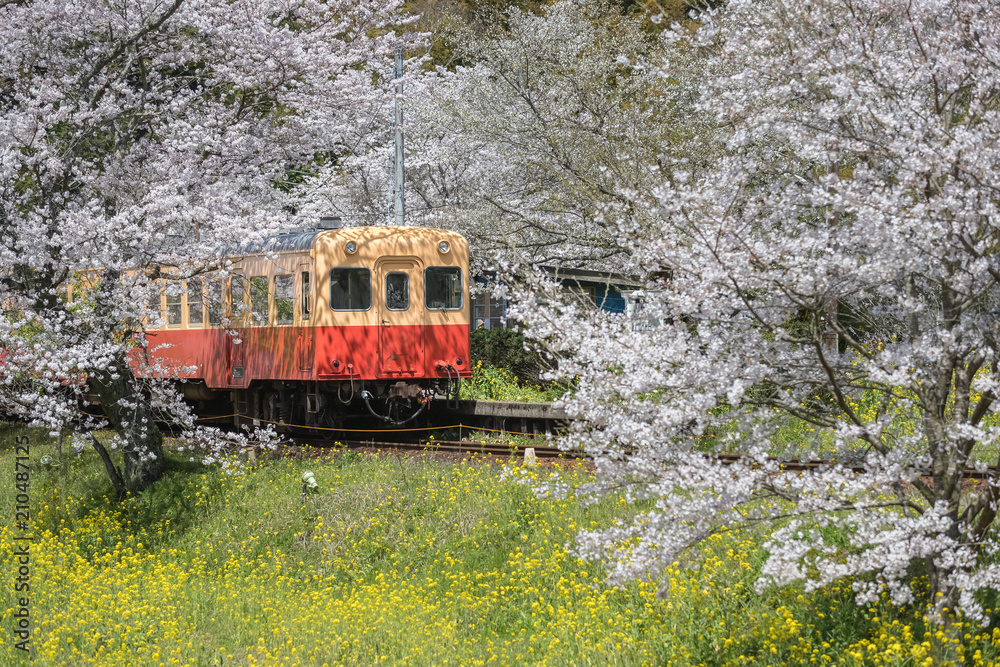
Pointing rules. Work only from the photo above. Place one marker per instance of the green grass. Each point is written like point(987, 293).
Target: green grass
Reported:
point(397, 561)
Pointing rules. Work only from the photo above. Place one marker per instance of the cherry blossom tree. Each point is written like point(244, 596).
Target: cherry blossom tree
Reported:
point(838, 265)
point(560, 124)
point(549, 129)
point(139, 137)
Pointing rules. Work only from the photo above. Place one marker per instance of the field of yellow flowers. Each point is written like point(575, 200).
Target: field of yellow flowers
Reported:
point(396, 561)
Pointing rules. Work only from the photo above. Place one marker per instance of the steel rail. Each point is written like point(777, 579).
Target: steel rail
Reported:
point(446, 446)
point(545, 451)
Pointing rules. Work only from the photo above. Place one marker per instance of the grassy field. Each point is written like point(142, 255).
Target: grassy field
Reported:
point(396, 561)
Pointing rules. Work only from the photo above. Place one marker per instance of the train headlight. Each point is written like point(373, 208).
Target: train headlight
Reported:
point(352, 247)
point(443, 247)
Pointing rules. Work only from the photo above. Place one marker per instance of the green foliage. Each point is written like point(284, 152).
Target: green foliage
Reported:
point(445, 20)
point(492, 383)
point(507, 348)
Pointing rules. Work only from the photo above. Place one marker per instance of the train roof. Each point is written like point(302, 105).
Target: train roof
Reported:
point(305, 241)
point(295, 242)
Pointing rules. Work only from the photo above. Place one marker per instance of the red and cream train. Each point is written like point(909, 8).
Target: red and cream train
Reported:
point(313, 326)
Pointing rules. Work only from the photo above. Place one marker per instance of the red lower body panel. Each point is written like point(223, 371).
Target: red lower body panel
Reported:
point(224, 360)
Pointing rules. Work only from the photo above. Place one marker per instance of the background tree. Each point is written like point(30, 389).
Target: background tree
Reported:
point(557, 121)
point(444, 21)
point(137, 135)
point(862, 169)
point(546, 131)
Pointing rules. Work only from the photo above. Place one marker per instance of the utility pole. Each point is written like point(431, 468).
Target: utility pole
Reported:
point(397, 170)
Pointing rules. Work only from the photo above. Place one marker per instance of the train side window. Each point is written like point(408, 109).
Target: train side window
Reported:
point(350, 289)
point(237, 298)
point(215, 302)
point(305, 295)
point(259, 306)
point(174, 304)
point(284, 298)
point(155, 302)
point(397, 291)
point(195, 302)
point(443, 287)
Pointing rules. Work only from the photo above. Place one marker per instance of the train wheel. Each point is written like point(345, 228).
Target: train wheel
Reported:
point(328, 423)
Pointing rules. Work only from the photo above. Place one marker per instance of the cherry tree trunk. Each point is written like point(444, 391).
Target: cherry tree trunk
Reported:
point(127, 408)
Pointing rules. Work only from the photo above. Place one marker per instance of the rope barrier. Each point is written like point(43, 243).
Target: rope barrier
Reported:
point(349, 430)
point(385, 430)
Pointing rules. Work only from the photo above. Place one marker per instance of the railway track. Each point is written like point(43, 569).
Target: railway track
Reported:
point(548, 452)
point(523, 419)
point(798, 465)
point(446, 446)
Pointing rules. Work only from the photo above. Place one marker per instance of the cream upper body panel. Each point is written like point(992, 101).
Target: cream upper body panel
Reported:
point(293, 287)
point(393, 248)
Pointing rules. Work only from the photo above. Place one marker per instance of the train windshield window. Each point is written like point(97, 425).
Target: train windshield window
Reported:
point(443, 287)
point(397, 291)
point(284, 295)
point(196, 313)
point(260, 312)
point(350, 289)
point(174, 303)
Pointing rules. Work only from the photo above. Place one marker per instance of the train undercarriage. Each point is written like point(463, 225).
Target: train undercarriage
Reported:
point(320, 406)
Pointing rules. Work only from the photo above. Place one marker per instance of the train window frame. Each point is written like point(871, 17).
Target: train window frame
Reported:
point(367, 273)
point(305, 305)
point(260, 317)
point(155, 304)
point(194, 286)
point(389, 291)
point(174, 302)
point(215, 313)
point(428, 293)
point(238, 290)
point(290, 300)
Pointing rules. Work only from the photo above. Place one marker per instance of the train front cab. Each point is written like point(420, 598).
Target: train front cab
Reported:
point(392, 305)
